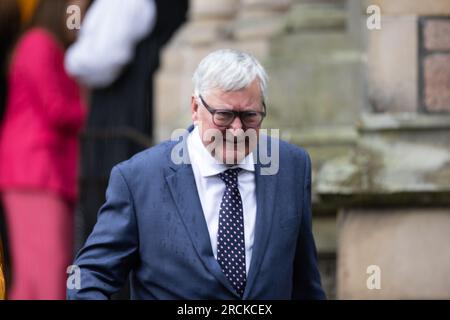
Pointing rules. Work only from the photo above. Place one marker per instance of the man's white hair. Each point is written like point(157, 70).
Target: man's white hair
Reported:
point(229, 70)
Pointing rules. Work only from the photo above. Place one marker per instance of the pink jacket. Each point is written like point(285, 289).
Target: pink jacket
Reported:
point(39, 135)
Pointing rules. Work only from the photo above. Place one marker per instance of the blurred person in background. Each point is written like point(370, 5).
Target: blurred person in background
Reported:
point(39, 153)
point(10, 25)
point(2, 275)
point(9, 30)
point(117, 59)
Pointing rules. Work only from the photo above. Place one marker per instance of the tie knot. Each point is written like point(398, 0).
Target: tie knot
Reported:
point(230, 177)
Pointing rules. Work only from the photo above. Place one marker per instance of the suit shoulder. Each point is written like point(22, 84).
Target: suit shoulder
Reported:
point(291, 150)
point(154, 158)
point(296, 160)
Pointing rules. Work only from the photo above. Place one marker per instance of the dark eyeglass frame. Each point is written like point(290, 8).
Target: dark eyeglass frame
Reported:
point(239, 114)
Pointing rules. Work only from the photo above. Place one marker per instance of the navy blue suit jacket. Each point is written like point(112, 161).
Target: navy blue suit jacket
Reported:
point(152, 228)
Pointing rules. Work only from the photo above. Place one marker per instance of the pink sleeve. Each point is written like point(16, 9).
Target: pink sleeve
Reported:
point(41, 62)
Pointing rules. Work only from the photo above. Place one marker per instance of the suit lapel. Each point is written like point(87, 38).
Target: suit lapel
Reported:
point(265, 199)
point(184, 192)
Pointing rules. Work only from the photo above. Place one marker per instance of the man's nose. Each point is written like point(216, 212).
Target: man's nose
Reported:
point(236, 125)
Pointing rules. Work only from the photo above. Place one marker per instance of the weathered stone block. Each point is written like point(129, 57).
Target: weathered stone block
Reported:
point(172, 104)
point(415, 7)
point(410, 247)
point(257, 28)
point(324, 230)
point(392, 65)
point(258, 47)
point(316, 80)
point(399, 158)
point(279, 5)
point(314, 16)
point(205, 32)
point(207, 9)
point(437, 82)
point(437, 35)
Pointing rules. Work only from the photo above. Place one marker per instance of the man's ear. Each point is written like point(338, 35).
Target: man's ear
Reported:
point(194, 109)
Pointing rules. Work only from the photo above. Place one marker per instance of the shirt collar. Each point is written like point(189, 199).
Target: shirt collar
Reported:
point(208, 165)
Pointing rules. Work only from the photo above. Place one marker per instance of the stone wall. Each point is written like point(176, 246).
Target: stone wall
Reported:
point(410, 246)
point(409, 57)
point(393, 188)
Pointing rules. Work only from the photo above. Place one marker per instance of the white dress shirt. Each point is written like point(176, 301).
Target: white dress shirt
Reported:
point(211, 189)
point(107, 40)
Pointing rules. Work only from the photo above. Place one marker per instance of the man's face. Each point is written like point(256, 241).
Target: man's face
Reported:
point(232, 146)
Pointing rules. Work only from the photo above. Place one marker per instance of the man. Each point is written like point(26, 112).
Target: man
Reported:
point(214, 226)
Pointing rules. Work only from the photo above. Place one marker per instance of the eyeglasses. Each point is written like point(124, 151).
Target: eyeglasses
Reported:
point(225, 117)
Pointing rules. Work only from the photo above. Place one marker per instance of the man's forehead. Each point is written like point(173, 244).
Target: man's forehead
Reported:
point(248, 92)
point(241, 101)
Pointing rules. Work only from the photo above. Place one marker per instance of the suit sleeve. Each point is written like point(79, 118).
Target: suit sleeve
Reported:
point(307, 283)
point(111, 250)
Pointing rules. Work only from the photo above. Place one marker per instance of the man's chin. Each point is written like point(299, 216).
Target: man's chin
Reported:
point(229, 153)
